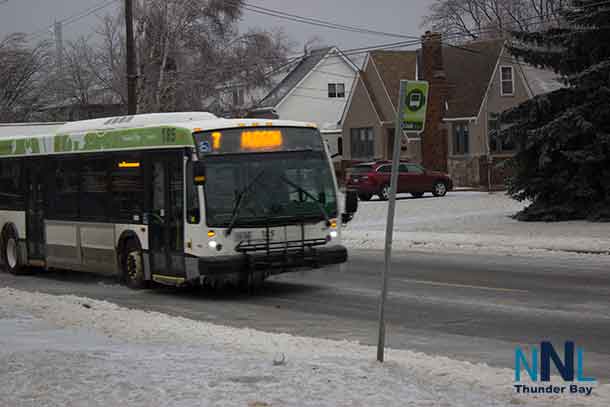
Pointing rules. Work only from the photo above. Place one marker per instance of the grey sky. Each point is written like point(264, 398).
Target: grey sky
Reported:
point(396, 16)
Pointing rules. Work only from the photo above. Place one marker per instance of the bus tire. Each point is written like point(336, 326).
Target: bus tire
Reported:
point(10, 251)
point(132, 265)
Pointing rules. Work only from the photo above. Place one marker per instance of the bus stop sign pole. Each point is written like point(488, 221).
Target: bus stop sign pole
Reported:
point(411, 116)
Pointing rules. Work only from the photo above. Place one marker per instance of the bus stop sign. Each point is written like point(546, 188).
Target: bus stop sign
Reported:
point(414, 105)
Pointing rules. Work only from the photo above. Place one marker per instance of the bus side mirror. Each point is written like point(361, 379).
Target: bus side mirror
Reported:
point(199, 176)
point(351, 206)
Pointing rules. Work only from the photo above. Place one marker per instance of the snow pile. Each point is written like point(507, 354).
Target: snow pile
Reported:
point(80, 352)
point(471, 221)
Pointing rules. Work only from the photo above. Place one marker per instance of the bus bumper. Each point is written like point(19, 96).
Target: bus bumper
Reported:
point(274, 261)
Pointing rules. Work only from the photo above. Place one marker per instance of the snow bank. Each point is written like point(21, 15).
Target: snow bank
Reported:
point(472, 222)
point(66, 350)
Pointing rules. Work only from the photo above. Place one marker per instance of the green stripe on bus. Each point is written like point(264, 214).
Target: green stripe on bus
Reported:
point(98, 141)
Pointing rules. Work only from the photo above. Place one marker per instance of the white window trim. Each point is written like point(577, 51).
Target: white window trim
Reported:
point(512, 80)
point(336, 94)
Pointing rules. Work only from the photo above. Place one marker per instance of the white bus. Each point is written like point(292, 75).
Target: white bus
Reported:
point(178, 198)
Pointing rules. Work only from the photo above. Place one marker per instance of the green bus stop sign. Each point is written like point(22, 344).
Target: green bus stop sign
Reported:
point(414, 105)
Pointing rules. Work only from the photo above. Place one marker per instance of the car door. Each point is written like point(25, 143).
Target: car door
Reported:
point(384, 173)
point(418, 178)
point(405, 181)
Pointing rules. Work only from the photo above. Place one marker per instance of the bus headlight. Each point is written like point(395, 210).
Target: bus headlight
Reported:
point(212, 244)
point(334, 234)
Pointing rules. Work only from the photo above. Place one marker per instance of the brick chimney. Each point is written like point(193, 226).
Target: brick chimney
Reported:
point(434, 138)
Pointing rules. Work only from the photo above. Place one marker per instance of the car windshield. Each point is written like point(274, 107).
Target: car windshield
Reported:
point(268, 188)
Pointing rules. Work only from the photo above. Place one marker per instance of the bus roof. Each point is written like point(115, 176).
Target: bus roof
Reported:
point(123, 133)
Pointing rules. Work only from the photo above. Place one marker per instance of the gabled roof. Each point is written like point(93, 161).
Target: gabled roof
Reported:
point(541, 81)
point(469, 69)
point(394, 66)
point(300, 71)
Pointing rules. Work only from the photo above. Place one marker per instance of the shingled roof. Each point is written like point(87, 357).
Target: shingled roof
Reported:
point(394, 66)
point(302, 68)
point(469, 69)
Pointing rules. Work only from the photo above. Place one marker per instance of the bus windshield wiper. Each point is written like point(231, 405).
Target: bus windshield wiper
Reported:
point(238, 202)
point(309, 195)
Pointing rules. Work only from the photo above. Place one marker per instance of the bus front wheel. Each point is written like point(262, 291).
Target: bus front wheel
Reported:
point(132, 265)
point(10, 251)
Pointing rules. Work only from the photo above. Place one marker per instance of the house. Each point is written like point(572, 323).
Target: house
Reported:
point(369, 119)
point(316, 90)
point(98, 103)
point(470, 85)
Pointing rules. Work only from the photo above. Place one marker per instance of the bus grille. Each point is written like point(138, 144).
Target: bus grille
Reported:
point(292, 245)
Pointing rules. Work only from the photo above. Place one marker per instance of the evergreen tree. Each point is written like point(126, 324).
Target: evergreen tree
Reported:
point(562, 164)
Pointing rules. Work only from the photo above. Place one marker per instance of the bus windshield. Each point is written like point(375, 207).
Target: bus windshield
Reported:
point(268, 189)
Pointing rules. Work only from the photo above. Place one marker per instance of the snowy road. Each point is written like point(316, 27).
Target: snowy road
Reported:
point(472, 308)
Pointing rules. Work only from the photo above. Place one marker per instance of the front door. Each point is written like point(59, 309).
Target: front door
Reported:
point(34, 177)
point(166, 220)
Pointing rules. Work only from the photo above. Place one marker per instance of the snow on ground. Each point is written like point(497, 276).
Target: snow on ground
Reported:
point(65, 350)
point(471, 221)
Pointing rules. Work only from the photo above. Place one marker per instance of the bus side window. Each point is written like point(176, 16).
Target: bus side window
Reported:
point(11, 191)
point(95, 194)
point(127, 187)
point(192, 198)
point(67, 185)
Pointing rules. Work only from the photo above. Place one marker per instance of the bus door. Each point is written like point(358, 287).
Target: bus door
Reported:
point(34, 174)
point(166, 221)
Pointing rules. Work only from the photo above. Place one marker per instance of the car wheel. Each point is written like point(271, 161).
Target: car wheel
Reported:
point(133, 266)
point(439, 189)
point(384, 193)
point(417, 194)
point(10, 252)
point(365, 197)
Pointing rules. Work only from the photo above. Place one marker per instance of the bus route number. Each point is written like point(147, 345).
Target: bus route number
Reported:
point(169, 135)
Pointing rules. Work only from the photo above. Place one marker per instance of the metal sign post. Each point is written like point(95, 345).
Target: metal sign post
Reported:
point(411, 116)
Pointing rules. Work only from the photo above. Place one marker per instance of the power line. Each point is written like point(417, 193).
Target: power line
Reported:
point(73, 18)
point(318, 22)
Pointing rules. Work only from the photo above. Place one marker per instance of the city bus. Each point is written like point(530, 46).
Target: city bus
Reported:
point(177, 199)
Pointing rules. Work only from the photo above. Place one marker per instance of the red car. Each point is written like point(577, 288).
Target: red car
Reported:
point(374, 179)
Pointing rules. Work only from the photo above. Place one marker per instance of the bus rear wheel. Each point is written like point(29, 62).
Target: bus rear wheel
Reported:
point(10, 251)
point(132, 265)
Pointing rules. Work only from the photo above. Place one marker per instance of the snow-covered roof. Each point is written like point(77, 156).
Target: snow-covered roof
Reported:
point(302, 69)
point(541, 81)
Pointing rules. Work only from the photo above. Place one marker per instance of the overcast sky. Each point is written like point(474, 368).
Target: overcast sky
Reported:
point(395, 16)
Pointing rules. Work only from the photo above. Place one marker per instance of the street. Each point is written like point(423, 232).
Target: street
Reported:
point(468, 307)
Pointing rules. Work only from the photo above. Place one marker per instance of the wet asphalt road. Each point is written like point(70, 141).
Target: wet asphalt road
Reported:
point(469, 307)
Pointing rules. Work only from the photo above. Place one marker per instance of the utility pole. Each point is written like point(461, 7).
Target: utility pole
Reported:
point(59, 56)
point(131, 59)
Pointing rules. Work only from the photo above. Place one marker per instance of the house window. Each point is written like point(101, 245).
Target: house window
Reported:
point(362, 143)
point(507, 81)
point(497, 144)
point(336, 90)
point(461, 139)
